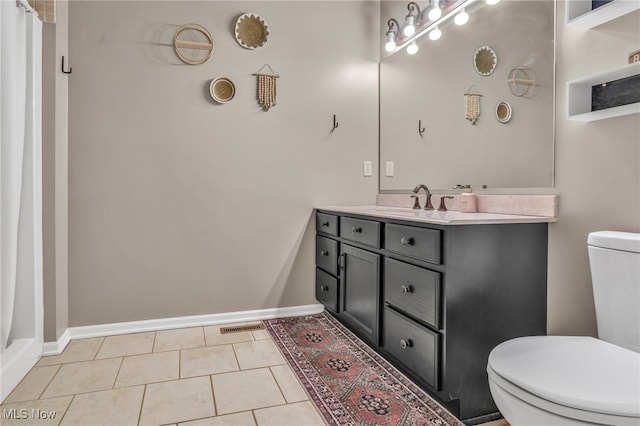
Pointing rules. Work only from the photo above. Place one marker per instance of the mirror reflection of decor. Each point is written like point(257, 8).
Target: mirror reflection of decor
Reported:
point(472, 104)
point(485, 60)
point(193, 44)
point(222, 90)
point(521, 81)
point(503, 112)
point(432, 84)
point(251, 31)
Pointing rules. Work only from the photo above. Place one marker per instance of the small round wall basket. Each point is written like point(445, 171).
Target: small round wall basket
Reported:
point(251, 31)
point(222, 90)
point(193, 44)
point(485, 60)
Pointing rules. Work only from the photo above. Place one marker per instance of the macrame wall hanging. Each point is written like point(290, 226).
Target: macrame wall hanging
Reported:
point(266, 87)
point(472, 104)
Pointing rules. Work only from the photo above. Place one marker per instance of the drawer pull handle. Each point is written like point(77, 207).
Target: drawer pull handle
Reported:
point(406, 289)
point(324, 253)
point(406, 241)
point(323, 224)
point(356, 230)
point(324, 288)
point(404, 344)
point(341, 261)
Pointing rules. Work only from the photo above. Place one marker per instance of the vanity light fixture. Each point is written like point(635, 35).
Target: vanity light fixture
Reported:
point(392, 32)
point(435, 34)
point(412, 49)
point(461, 18)
point(412, 17)
point(435, 13)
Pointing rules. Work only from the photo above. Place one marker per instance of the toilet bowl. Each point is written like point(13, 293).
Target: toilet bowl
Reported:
point(569, 380)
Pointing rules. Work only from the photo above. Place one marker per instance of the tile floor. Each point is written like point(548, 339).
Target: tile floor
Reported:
point(193, 376)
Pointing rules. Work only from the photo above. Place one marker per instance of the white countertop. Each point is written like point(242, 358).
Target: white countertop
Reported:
point(450, 217)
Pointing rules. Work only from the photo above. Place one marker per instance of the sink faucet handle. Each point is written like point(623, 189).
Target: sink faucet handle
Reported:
point(443, 206)
point(416, 202)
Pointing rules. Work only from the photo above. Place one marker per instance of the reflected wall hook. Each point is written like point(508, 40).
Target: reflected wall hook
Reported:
point(66, 72)
point(420, 128)
point(335, 123)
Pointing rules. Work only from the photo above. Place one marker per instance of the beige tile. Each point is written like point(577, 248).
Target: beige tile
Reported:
point(32, 386)
point(177, 401)
point(50, 412)
point(106, 408)
point(127, 344)
point(245, 390)
point(80, 377)
point(289, 384)
point(214, 337)
point(301, 413)
point(76, 350)
point(183, 338)
point(239, 419)
point(261, 335)
point(148, 368)
point(209, 360)
point(261, 353)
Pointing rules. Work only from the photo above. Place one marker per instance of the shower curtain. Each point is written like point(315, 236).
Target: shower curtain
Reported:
point(20, 193)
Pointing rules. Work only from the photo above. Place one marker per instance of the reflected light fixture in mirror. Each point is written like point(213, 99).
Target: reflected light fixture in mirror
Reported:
point(414, 28)
point(412, 19)
point(392, 33)
point(412, 49)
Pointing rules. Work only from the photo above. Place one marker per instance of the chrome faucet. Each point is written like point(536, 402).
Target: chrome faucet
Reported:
point(428, 205)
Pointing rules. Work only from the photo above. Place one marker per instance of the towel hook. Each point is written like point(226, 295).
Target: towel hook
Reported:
point(335, 123)
point(66, 72)
point(420, 128)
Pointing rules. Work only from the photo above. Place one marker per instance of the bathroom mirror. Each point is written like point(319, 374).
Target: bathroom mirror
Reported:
point(429, 88)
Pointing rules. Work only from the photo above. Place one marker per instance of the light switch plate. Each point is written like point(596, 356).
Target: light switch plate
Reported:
point(389, 169)
point(367, 168)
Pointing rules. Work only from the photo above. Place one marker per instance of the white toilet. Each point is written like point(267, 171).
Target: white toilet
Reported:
point(562, 380)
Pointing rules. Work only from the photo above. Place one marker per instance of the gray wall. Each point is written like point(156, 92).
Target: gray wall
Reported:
point(597, 171)
point(54, 175)
point(179, 206)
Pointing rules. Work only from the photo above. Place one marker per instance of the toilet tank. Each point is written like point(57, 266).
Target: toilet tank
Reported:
point(615, 272)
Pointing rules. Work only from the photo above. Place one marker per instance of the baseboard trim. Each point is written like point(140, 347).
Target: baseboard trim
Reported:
point(102, 330)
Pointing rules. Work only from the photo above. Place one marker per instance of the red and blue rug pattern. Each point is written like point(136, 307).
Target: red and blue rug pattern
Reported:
point(349, 382)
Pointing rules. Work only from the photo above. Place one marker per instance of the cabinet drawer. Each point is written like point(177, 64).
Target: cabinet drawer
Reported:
point(327, 254)
point(327, 223)
point(327, 290)
point(413, 290)
point(415, 346)
point(420, 243)
point(361, 231)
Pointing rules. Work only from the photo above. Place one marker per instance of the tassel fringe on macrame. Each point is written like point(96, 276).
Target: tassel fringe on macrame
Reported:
point(266, 88)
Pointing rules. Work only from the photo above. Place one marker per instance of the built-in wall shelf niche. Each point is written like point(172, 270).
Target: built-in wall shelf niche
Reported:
point(581, 13)
point(579, 94)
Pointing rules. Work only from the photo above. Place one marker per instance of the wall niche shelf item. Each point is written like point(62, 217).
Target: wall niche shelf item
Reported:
point(579, 95)
point(580, 14)
point(193, 44)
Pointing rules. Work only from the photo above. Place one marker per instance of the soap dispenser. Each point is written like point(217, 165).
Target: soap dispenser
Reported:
point(468, 200)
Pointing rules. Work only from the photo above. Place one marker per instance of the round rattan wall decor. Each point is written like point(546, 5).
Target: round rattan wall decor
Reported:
point(251, 31)
point(193, 44)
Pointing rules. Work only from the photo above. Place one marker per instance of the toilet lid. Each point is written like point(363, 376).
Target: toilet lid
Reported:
point(579, 372)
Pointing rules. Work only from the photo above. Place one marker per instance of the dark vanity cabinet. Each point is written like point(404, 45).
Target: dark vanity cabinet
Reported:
point(434, 299)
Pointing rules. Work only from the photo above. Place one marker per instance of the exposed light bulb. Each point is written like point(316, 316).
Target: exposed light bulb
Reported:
point(409, 29)
point(435, 13)
point(390, 46)
point(461, 18)
point(492, 2)
point(435, 34)
point(412, 49)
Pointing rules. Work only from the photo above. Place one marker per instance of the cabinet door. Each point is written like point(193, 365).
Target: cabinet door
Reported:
point(360, 288)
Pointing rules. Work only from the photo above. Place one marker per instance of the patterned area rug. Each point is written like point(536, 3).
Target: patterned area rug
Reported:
point(349, 382)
